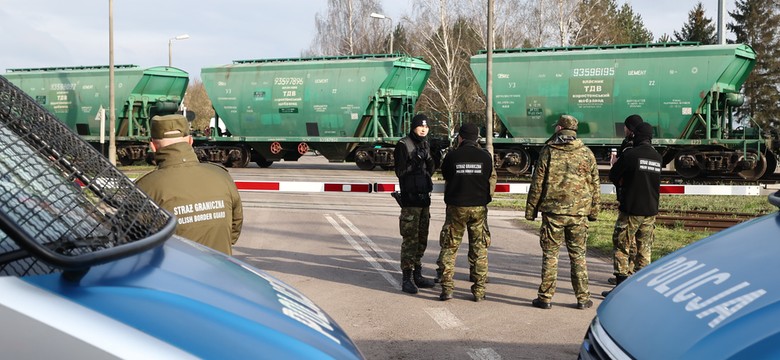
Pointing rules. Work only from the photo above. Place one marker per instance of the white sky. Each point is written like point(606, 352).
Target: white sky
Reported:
point(45, 33)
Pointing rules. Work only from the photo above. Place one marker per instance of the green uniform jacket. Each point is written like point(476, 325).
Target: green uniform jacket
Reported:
point(566, 179)
point(202, 196)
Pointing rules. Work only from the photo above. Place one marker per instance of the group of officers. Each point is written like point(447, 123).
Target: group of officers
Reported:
point(565, 190)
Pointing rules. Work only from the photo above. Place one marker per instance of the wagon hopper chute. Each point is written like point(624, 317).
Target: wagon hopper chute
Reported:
point(687, 92)
point(348, 108)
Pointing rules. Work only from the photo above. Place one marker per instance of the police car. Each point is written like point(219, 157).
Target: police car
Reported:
point(90, 268)
point(718, 298)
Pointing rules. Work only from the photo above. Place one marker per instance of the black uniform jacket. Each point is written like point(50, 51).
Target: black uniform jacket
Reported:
point(638, 175)
point(469, 175)
point(414, 170)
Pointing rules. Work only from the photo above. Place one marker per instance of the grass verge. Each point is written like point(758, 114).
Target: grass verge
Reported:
point(667, 239)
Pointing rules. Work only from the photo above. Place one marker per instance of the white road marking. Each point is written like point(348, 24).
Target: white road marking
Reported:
point(445, 318)
point(371, 243)
point(389, 277)
point(483, 354)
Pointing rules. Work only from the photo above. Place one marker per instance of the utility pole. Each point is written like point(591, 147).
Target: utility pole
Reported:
point(489, 86)
point(111, 101)
point(721, 22)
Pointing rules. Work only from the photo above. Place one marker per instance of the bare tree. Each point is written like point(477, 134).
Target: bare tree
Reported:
point(509, 31)
point(348, 29)
point(197, 102)
point(442, 36)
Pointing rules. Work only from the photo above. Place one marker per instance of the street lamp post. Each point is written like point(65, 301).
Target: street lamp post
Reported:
point(170, 45)
point(380, 16)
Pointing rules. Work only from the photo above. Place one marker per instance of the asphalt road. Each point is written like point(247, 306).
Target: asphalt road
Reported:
point(342, 251)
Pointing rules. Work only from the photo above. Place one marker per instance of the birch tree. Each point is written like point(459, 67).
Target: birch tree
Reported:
point(346, 28)
point(442, 34)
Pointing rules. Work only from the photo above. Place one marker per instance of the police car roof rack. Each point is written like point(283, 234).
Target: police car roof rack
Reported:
point(63, 205)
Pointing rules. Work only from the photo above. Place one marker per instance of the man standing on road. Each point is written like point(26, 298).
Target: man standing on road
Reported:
point(202, 196)
point(414, 167)
point(638, 174)
point(470, 181)
point(629, 126)
point(565, 189)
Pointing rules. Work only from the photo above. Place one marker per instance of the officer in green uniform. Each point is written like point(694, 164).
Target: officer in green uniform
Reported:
point(565, 188)
point(202, 196)
point(414, 166)
point(470, 180)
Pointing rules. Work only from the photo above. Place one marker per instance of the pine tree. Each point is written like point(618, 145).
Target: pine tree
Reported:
point(699, 28)
point(755, 23)
point(630, 27)
point(596, 19)
point(602, 22)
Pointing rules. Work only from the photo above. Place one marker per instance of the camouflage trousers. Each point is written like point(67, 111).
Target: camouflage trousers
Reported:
point(413, 224)
point(573, 231)
point(632, 242)
point(474, 220)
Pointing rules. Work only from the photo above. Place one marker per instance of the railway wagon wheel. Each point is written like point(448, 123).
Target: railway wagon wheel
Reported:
point(364, 161)
point(517, 162)
point(756, 167)
point(686, 164)
point(243, 159)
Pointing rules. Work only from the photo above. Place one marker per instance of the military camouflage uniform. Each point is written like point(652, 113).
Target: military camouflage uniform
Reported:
point(413, 223)
point(632, 240)
point(565, 188)
point(458, 219)
point(470, 182)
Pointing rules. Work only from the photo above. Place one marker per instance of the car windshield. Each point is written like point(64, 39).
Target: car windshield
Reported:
point(63, 206)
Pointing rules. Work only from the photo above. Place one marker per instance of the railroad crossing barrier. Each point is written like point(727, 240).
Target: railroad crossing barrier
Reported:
point(505, 188)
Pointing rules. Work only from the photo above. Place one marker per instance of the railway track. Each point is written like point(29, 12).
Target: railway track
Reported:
point(697, 220)
point(701, 220)
point(667, 177)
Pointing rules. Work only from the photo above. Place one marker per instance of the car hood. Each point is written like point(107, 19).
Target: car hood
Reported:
point(206, 303)
point(716, 298)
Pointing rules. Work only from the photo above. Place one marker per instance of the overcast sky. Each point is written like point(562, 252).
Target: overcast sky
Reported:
point(46, 33)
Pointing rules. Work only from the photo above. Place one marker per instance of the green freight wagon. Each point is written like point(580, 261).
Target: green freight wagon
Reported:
point(687, 92)
point(78, 95)
point(348, 108)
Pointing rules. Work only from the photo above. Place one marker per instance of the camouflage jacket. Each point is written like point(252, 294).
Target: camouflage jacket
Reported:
point(566, 179)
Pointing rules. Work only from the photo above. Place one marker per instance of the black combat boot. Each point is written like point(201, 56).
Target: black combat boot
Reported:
point(420, 281)
point(618, 279)
point(437, 279)
point(408, 285)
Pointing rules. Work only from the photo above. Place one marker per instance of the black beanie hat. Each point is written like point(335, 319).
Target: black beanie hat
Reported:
point(643, 132)
point(419, 120)
point(469, 131)
point(632, 122)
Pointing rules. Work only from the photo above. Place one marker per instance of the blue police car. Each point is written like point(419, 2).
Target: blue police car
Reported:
point(90, 268)
point(718, 298)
